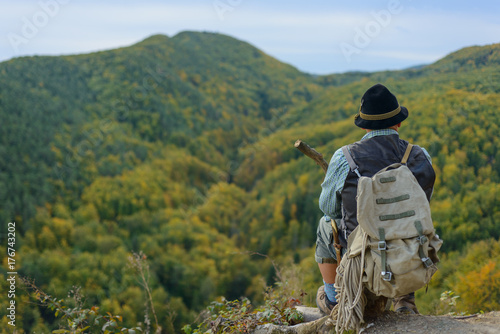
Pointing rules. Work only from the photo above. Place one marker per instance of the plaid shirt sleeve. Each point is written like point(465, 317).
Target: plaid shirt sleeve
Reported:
point(330, 200)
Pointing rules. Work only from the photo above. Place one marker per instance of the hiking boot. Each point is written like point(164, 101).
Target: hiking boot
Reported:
point(324, 304)
point(405, 304)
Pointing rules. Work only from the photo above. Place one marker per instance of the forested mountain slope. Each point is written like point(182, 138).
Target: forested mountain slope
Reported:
point(182, 148)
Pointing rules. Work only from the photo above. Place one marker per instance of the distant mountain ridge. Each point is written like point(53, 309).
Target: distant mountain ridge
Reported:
point(473, 56)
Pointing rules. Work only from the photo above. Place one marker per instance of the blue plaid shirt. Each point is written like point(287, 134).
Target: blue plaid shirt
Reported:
point(330, 199)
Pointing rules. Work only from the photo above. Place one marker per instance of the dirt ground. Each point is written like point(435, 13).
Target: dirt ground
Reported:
point(488, 323)
point(391, 322)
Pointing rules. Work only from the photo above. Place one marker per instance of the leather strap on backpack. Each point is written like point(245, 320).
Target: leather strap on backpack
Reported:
point(407, 154)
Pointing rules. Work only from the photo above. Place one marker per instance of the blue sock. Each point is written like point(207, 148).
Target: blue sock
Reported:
point(330, 292)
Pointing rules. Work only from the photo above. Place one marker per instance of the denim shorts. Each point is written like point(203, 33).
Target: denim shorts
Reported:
point(325, 251)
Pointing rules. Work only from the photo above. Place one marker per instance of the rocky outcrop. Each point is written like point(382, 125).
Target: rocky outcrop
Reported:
point(314, 322)
point(391, 322)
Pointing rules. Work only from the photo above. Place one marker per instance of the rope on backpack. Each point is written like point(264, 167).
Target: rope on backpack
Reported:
point(349, 312)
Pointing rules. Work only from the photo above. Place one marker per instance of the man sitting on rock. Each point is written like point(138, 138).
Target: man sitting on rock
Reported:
point(380, 115)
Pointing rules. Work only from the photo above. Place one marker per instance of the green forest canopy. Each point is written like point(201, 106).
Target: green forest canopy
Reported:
point(182, 148)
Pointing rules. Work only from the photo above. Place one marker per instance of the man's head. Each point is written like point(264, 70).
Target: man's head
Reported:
point(379, 109)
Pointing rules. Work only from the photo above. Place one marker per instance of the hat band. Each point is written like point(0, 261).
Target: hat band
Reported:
point(380, 117)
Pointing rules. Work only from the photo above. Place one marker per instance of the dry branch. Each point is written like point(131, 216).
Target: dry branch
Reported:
point(312, 153)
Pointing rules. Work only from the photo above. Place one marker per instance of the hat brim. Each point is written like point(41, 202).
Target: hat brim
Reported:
point(382, 124)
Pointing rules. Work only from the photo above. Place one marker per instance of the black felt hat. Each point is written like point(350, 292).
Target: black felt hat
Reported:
point(379, 109)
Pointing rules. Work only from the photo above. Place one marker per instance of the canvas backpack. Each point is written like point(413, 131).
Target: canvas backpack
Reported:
point(395, 235)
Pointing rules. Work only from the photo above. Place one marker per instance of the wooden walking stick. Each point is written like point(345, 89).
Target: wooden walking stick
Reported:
point(312, 153)
point(318, 157)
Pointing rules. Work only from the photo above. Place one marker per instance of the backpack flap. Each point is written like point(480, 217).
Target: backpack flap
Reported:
point(393, 200)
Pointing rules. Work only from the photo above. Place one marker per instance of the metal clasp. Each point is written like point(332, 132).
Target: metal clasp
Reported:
point(422, 240)
point(382, 245)
point(427, 262)
point(386, 276)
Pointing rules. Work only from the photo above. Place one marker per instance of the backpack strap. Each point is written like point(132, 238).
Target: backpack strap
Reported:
point(382, 247)
point(407, 154)
point(422, 239)
point(350, 161)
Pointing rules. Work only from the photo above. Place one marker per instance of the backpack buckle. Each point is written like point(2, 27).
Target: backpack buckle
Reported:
point(422, 240)
point(427, 262)
point(386, 276)
point(382, 245)
point(357, 171)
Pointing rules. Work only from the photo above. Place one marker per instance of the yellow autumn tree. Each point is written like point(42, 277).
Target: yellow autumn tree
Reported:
point(480, 290)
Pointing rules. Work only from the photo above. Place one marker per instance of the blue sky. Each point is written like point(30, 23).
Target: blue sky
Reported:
point(319, 37)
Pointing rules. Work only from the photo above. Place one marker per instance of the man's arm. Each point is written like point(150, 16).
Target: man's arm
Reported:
point(330, 200)
point(427, 154)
